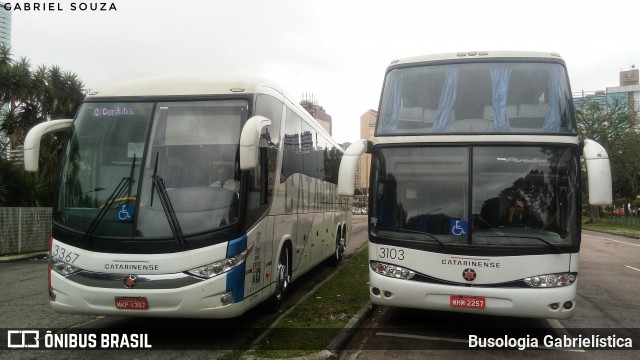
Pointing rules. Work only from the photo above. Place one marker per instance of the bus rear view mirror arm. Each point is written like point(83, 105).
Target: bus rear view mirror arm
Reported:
point(348, 167)
point(32, 141)
point(250, 141)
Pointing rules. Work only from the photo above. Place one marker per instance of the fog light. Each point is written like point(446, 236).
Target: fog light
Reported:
point(52, 295)
point(388, 294)
point(226, 299)
point(375, 291)
point(554, 306)
point(567, 305)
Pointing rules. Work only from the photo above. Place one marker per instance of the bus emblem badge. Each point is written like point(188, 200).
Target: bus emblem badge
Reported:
point(469, 274)
point(130, 281)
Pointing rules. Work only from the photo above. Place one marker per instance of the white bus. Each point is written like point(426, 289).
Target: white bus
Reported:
point(143, 223)
point(475, 186)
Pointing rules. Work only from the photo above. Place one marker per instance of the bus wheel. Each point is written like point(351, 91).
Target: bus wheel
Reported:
point(341, 245)
point(283, 280)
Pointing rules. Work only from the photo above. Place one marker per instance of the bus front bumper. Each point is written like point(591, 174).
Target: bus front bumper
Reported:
point(200, 299)
point(547, 303)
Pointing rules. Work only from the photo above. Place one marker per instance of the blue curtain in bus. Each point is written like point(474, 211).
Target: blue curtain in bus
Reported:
point(391, 104)
point(500, 85)
point(447, 99)
point(553, 121)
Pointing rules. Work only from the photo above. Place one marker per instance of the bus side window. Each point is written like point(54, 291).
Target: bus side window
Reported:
point(261, 179)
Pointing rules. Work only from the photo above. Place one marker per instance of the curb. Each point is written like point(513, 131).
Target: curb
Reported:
point(343, 337)
point(30, 256)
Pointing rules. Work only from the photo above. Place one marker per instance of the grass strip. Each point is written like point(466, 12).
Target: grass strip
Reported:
point(317, 320)
point(629, 228)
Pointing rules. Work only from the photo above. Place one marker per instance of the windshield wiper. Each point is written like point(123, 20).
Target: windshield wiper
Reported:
point(550, 244)
point(124, 185)
point(159, 186)
point(429, 235)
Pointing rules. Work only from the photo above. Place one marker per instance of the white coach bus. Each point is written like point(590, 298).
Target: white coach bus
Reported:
point(190, 198)
point(475, 185)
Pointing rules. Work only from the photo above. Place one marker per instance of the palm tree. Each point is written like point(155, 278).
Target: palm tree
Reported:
point(34, 96)
point(16, 95)
point(5, 63)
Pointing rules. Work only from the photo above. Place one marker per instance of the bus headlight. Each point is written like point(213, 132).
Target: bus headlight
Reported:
point(61, 267)
point(210, 270)
point(551, 280)
point(393, 271)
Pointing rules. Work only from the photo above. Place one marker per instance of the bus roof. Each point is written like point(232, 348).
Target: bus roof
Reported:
point(477, 55)
point(185, 86)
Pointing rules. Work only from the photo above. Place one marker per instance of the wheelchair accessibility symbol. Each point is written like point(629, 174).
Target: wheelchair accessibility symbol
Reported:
point(459, 227)
point(125, 211)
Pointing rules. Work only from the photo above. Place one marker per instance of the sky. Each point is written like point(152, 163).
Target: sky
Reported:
point(336, 50)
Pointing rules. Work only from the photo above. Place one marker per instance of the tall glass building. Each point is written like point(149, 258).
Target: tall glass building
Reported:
point(5, 25)
point(5, 38)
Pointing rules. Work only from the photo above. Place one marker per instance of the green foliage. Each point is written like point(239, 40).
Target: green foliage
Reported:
point(33, 96)
point(615, 126)
point(21, 188)
point(325, 313)
point(619, 225)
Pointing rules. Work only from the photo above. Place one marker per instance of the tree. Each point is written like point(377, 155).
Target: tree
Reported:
point(613, 124)
point(34, 96)
point(605, 123)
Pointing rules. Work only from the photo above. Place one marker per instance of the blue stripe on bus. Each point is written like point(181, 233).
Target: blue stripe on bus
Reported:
point(235, 282)
point(235, 277)
point(236, 246)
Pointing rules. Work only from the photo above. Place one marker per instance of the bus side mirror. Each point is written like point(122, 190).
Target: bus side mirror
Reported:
point(32, 141)
point(250, 141)
point(348, 167)
point(599, 173)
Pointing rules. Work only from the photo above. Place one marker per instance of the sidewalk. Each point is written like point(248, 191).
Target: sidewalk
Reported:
point(21, 257)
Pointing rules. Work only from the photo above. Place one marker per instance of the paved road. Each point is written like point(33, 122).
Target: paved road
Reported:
point(24, 305)
point(607, 304)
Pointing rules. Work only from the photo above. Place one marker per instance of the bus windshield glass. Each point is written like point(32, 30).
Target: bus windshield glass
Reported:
point(117, 150)
point(515, 197)
point(507, 97)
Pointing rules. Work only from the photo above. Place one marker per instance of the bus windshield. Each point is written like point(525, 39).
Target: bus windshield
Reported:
point(481, 97)
point(511, 197)
point(116, 151)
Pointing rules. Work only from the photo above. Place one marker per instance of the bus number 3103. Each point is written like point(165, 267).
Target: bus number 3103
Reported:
point(389, 253)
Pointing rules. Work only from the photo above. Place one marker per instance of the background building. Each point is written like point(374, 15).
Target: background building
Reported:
point(629, 88)
point(309, 103)
point(5, 38)
point(627, 93)
point(367, 128)
point(5, 25)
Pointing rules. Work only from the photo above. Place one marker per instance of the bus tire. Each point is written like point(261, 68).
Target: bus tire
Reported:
point(341, 245)
point(283, 278)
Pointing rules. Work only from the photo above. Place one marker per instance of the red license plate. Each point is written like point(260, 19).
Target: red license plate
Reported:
point(132, 303)
point(473, 302)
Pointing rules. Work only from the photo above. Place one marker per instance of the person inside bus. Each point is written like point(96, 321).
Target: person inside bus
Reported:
point(519, 215)
point(223, 178)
